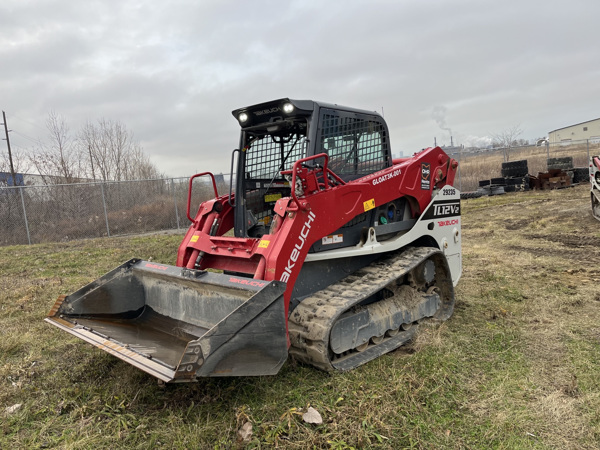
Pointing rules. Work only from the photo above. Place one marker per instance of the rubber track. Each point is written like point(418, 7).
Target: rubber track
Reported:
point(310, 323)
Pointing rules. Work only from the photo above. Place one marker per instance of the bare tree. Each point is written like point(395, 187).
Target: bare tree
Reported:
point(113, 154)
point(58, 160)
point(88, 140)
point(507, 139)
point(139, 167)
point(20, 161)
point(101, 151)
point(11, 217)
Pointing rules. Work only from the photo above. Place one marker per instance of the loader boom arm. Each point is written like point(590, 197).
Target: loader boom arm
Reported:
point(301, 220)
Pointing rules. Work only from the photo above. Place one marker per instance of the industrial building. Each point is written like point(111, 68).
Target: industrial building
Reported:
point(589, 130)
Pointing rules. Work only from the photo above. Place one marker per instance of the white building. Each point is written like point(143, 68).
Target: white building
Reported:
point(589, 130)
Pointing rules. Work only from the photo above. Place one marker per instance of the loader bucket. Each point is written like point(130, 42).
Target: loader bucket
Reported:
point(179, 324)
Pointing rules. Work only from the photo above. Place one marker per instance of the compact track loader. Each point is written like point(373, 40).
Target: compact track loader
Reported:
point(595, 189)
point(325, 248)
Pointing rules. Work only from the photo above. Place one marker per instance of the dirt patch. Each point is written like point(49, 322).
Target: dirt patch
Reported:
point(534, 251)
point(514, 225)
point(574, 240)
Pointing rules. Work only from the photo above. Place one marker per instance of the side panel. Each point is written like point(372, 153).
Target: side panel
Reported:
point(439, 225)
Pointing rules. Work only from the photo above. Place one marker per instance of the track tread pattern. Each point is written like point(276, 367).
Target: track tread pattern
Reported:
point(310, 323)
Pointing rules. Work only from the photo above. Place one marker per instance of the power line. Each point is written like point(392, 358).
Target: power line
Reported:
point(30, 123)
point(34, 140)
point(20, 147)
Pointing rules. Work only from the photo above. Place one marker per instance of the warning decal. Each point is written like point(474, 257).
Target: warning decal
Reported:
point(369, 204)
point(333, 239)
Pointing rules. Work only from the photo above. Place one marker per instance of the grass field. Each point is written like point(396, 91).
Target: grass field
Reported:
point(517, 366)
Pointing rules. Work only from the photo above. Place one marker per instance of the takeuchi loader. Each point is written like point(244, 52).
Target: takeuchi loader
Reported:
point(325, 248)
point(595, 189)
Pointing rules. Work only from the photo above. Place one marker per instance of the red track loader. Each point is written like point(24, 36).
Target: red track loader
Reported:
point(325, 248)
point(595, 180)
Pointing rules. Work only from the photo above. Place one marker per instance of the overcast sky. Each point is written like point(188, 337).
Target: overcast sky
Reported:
point(173, 71)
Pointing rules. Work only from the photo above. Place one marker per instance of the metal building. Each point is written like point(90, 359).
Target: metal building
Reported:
point(589, 130)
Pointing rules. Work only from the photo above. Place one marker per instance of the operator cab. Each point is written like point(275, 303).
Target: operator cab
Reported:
point(276, 134)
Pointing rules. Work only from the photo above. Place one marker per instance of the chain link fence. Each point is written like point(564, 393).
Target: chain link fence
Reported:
point(37, 214)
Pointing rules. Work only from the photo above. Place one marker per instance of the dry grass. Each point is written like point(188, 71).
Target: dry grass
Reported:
point(541, 256)
point(515, 367)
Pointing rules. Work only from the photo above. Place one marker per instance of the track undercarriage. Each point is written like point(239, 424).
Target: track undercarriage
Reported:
point(373, 311)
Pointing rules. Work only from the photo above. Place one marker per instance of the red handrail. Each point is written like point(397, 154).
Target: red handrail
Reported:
point(326, 172)
point(190, 190)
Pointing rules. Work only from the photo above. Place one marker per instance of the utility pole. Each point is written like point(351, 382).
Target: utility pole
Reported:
point(12, 168)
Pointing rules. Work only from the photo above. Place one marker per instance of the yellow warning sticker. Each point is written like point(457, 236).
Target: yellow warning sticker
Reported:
point(270, 198)
point(194, 238)
point(369, 204)
point(263, 243)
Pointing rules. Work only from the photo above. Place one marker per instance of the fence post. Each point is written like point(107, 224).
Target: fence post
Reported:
point(587, 141)
point(25, 215)
point(175, 201)
point(459, 171)
point(104, 205)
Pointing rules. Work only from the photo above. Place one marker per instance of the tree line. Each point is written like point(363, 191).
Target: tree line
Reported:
point(101, 150)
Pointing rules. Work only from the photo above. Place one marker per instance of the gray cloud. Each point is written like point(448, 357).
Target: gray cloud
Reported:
point(172, 72)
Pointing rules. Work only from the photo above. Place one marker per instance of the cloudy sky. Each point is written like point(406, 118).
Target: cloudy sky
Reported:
point(173, 71)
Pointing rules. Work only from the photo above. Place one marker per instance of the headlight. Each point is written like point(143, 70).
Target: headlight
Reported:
point(243, 117)
point(288, 108)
